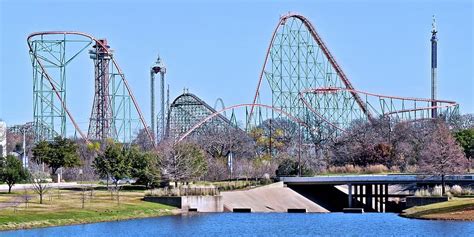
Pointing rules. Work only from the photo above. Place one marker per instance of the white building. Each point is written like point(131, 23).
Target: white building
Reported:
point(3, 138)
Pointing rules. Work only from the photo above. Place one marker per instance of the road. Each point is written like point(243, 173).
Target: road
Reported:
point(4, 187)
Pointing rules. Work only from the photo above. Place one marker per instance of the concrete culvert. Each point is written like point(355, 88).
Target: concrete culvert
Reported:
point(247, 210)
point(296, 210)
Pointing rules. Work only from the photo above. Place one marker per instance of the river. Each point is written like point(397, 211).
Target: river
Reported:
point(262, 224)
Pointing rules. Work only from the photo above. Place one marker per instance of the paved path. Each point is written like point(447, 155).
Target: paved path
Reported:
point(4, 187)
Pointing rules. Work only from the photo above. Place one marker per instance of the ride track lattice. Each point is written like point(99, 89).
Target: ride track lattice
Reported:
point(115, 109)
point(307, 86)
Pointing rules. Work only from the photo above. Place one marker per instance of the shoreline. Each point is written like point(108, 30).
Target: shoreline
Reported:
point(435, 218)
point(64, 208)
point(458, 209)
point(170, 213)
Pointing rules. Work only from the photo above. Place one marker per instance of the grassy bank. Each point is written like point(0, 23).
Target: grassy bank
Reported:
point(455, 209)
point(65, 208)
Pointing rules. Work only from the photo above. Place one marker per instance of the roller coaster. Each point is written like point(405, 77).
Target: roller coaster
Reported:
point(305, 85)
point(115, 112)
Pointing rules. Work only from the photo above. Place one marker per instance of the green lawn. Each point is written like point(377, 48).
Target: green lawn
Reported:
point(454, 209)
point(67, 209)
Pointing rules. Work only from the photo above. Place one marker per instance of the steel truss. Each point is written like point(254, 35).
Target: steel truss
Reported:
point(115, 113)
point(306, 85)
point(187, 110)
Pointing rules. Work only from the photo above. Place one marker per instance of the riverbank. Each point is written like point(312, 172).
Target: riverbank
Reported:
point(65, 208)
point(455, 209)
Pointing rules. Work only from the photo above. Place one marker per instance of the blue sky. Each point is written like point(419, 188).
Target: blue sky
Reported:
point(217, 49)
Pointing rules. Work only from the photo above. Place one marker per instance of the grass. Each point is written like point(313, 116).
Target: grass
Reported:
point(66, 209)
point(454, 209)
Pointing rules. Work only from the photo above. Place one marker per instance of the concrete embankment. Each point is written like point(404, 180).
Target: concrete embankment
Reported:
point(271, 198)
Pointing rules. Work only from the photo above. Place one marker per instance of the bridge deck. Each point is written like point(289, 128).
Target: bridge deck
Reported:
point(374, 179)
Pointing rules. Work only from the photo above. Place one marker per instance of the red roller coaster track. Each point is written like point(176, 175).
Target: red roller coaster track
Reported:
point(326, 52)
point(440, 103)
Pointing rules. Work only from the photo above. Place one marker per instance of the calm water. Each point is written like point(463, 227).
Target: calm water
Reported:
point(278, 224)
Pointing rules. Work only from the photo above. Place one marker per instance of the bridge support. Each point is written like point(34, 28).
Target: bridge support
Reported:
point(349, 192)
point(373, 197)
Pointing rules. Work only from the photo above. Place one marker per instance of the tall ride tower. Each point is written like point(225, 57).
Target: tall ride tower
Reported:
point(102, 112)
point(158, 67)
point(434, 66)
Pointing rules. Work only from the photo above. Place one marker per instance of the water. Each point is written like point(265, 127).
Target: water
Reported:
point(262, 224)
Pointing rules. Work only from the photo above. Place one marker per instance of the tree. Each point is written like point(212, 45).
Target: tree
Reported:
point(144, 166)
point(221, 141)
point(40, 184)
point(465, 138)
point(183, 162)
point(441, 154)
point(274, 136)
point(460, 122)
point(12, 171)
point(113, 163)
point(41, 152)
point(290, 167)
point(364, 143)
point(61, 152)
point(143, 141)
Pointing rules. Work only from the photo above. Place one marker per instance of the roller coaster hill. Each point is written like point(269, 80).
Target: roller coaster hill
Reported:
point(300, 83)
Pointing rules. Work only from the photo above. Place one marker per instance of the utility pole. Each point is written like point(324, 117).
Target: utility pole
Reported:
point(434, 67)
point(299, 151)
point(25, 162)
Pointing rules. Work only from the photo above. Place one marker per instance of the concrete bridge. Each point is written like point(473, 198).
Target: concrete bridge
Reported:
point(370, 192)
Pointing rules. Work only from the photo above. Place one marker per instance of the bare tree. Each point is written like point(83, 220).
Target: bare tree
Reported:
point(244, 168)
point(219, 142)
point(459, 122)
point(39, 184)
point(365, 143)
point(25, 196)
point(87, 152)
point(442, 155)
point(182, 162)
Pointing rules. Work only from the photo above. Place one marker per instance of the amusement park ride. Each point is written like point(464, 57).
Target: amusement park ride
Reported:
point(304, 84)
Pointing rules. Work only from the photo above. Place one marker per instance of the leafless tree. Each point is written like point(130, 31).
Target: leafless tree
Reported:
point(87, 153)
point(217, 169)
point(459, 122)
point(218, 143)
point(244, 168)
point(39, 184)
point(182, 162)
point(364, 143)
point(25, 196)
point(441, 154)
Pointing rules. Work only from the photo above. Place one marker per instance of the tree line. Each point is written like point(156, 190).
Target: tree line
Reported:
point(274, 148)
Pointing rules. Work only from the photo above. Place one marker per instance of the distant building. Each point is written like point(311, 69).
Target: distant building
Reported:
point(3, 138)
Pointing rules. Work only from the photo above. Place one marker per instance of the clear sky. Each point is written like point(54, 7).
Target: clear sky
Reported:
point(217, 48)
